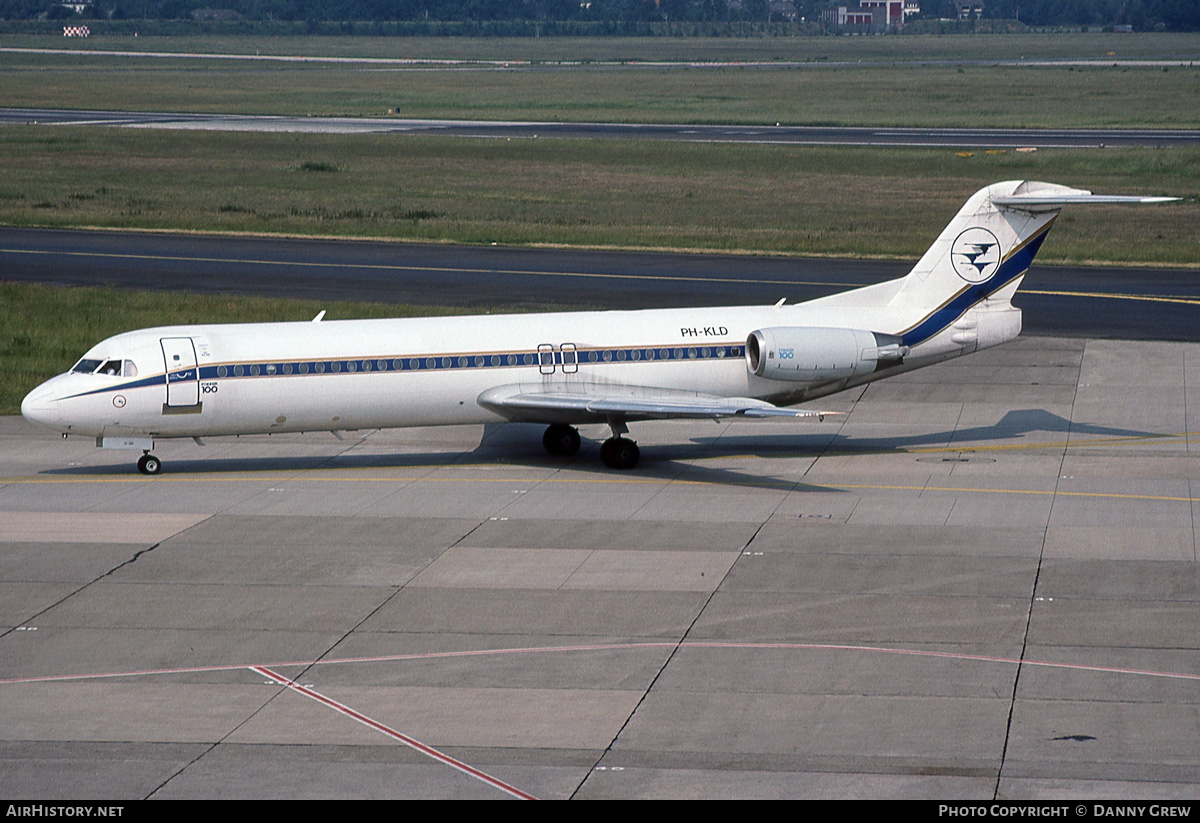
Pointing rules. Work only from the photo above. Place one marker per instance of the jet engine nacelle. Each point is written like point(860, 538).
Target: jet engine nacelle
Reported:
point(820, 355)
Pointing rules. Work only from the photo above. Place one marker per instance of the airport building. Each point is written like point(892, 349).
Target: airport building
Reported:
point(871, 16)
point(968, 9)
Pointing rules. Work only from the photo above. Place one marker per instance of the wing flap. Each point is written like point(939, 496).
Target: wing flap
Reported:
point(581, 406)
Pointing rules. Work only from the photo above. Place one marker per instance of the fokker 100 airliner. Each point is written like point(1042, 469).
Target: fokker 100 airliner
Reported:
point(563, 369)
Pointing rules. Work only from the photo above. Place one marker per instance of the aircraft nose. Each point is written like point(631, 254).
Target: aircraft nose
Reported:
point(41, 406)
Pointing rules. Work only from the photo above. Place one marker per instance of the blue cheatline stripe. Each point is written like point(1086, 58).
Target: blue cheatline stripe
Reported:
point(440, 362)
point(153, 380)
point(944, 316)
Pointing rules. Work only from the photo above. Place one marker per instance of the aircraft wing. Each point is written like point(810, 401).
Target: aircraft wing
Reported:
point(600, 403)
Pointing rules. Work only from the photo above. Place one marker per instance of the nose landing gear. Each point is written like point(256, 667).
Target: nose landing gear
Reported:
point(149, 464)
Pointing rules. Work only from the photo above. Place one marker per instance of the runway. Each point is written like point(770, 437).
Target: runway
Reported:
point(794, 135)
point(1111, 302)
point(980, 583)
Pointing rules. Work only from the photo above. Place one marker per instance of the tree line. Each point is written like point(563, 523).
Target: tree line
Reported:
point(599, 16)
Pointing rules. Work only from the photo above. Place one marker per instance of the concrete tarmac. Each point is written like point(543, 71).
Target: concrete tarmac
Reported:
point(980, 583)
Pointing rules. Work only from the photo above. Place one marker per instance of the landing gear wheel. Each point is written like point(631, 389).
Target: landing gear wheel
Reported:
point(149, 464)
point(620, 453)
point(561, 440)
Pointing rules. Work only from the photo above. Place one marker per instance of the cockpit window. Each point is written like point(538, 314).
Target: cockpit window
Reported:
point(111, 368)
point(86, 366)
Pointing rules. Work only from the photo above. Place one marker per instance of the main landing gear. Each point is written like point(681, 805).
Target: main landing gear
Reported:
point(617, 452)
point(560, 440)
point(149, 464)
point(620, 453)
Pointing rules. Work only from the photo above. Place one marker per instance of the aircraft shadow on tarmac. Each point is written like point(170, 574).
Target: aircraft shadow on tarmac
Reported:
point(1016, 425)
point(519, 445)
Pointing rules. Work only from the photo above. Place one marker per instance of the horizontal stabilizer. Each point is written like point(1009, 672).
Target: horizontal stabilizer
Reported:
point(1053, 202)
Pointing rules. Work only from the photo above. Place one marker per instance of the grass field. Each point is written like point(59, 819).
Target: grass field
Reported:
point(898, 81)
point(1032, 46)
point(598, 193)
point(614, 193)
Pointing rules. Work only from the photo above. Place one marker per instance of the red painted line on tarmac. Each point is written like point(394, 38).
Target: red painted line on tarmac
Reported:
point(982, 658)
point(412, 743)
point(66, 678)
point(387, 658)
point(396, 658)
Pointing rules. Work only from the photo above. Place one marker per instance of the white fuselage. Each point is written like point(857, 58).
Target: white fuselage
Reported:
point(563, 369)
point(357, 374)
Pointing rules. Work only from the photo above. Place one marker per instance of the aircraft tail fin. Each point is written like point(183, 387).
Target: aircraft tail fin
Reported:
point(984, 252)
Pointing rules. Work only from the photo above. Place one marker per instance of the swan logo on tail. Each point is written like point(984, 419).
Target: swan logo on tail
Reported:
point(976, 255)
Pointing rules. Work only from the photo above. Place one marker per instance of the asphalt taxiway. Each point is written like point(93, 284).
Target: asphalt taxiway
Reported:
point(680, 132)
point(981, 582)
